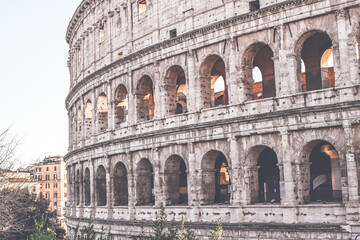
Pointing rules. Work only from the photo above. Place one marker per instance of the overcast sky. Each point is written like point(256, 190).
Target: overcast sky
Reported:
point(33, 74)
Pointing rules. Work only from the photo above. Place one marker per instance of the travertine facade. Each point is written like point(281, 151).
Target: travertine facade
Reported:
point(247, 111)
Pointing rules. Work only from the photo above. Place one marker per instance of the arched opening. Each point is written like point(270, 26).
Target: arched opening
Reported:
point(213, 82)
point(176, 181)
point(87, 187)
point(121, 105)
point(215, 178)
point(325, 173)
point(88, 119)
point(259, 72)
point(317, 56)
point(145, 105)
point(145, 183)
point(120, 185)
point(268, 177)
point(101, 186)
point(79, 124)
point(175, 90)
point(102, 112)
point(77, 187)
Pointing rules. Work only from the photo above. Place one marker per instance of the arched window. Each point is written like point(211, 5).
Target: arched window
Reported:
point(79, 124)
point(213, 82)
point(87, 187)
point(88, 119)
point(145, 105)
point(317, 55)
point(101, 186)
point(121, 105)
point(120, 185)
point(259, 71)
point(175, 90)
point(325, 173)
point(102, 113)
point(144, 183)
point(215, 178)
point(268, 177)
point(176, 181)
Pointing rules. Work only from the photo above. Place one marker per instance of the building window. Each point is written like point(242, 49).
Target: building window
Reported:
point(36, 169)
point(101, 34)
point(47, 195)
point(120, 55)
point(35, 177)
point(55, 203)
point(47, 169)
point(142, 9)
point(55, 176)
point(40, 186)
point(254, 5)
point(55, 185)
point(40, 177)
point(55, 195)
point(39, 169)
point(47, 177)
point(55, 168)
point(173, 33)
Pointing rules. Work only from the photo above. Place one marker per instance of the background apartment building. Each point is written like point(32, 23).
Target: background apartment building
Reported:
point(51, 174)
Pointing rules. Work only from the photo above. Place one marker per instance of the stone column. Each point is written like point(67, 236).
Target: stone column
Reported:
point(192, 176)
point(193, 183)
point(71, 144)
point(92, 188)
point(83, 123)
point(68, 189)
point(81, 189)
point(94, 123)
point(352, 206)
point(191, 82)
point(281, 66)
point(131, 186)
point(111, 108)
point(235, 174)
point(157, 92)
point(109, 187)
point(288, 171)
point(343, 77)
point(132, 99)
point(158, 178)
point(233, 86)
point(293, 73)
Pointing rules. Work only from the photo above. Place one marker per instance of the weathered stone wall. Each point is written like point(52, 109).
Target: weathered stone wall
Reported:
point(221, 149)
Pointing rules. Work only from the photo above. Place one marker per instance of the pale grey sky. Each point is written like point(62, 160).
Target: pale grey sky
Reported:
point(34, 77)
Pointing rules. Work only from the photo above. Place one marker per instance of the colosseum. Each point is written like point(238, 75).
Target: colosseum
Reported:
point(240, 110)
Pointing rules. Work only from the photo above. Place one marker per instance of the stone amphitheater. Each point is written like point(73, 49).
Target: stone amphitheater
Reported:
point(244, 111)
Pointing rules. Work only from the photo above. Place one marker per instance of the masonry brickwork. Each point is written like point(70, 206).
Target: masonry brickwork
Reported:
point(166, 106)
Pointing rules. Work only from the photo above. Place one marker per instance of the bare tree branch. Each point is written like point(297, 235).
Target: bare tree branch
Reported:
point(9, 144)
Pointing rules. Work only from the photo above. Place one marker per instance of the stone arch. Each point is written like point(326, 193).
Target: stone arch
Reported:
point(102, 112)
point(215, 178)
point(315, 48)
point(101, 198)
point(87, 189)
point(321, 167)
point(259, 71)
point(176, 186)
point(145, 105)
point(79, 123)
point(263, 175)
point(120, 185)
point(121, 105)
point(175, 90)
point(213, 82)
point(144, 183)
point(77, 187)
point(88, 118)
